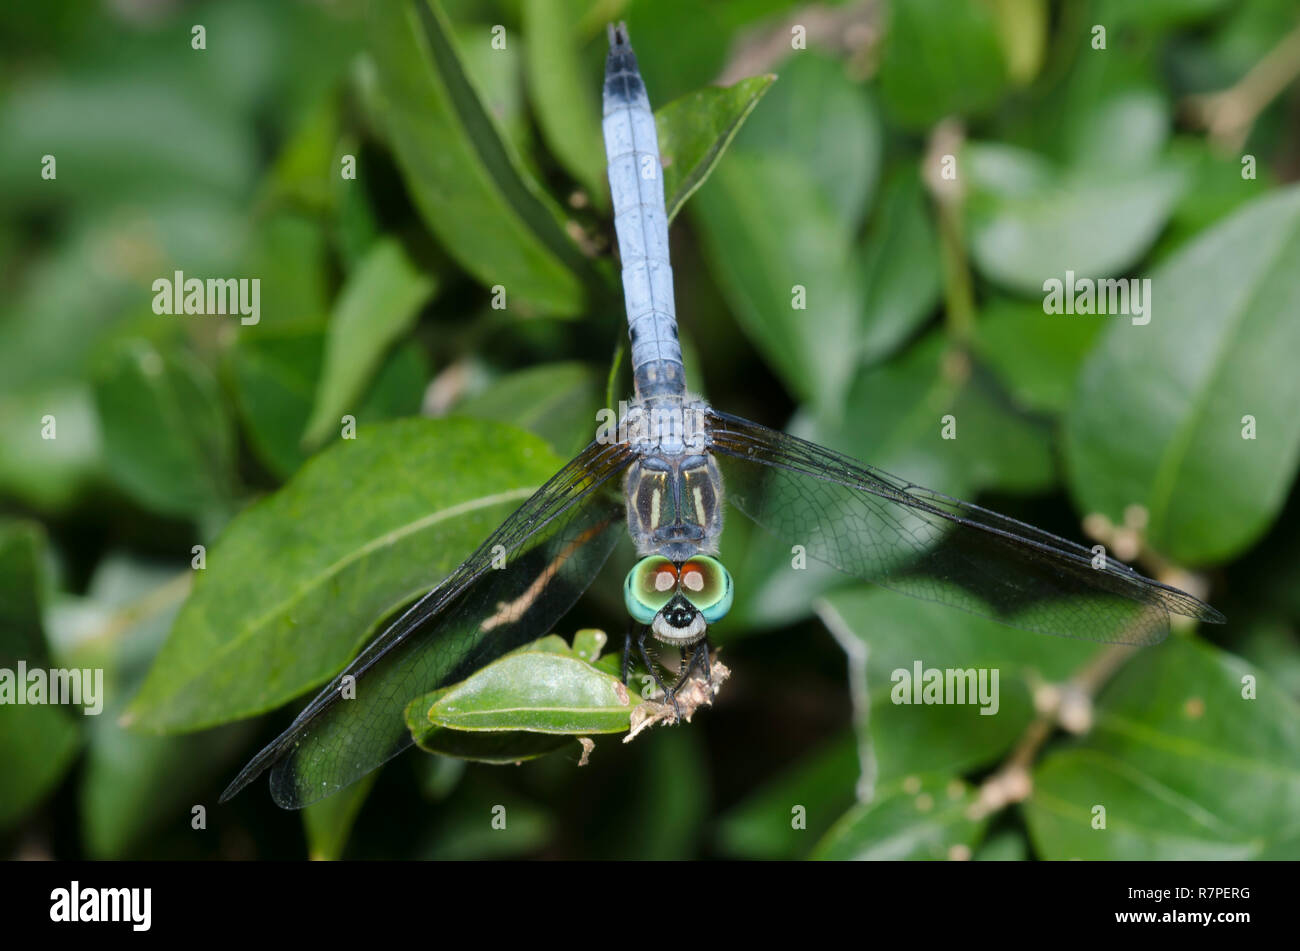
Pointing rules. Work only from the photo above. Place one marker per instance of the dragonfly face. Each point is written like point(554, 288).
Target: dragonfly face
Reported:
point(678, 599)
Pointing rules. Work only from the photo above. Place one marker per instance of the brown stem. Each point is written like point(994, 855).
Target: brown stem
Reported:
point(1229, 115)
point(146, 606)
point(1068, 704)
point(853, 29)
point(949, 195)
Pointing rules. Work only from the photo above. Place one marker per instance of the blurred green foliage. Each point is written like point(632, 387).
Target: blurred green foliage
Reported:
point(466, 272)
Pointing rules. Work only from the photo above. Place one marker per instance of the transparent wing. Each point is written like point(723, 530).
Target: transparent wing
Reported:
point(921, 543)
point(551, 547)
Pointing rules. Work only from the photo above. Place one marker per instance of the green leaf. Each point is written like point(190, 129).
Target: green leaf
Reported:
point(537, 692)
point(273, 375)
point(119, 136)
point(1273, 646)
point(770, 592)
point(65, 305)
point(588, 643)
point(466, 180)
point(768, 230)
point(39, 741)
point(167, 438)
point(328, 822)
point(901, 268)
point(1102, 112)
point(362, 529)
point(1036, 356)
point(940, 59)
point(1186, 763)
point(355, 222)
point(1022, 27)
point(695, 130)
point(133, 788)
point(564, 100)
point(1161, 409)
point(494, 748)
point(1124, 131)
point(820, 119)
point(533, 701)
point(557, 401)
point(550, 644)
point(900, 631)
point(1029, 222)
point(895, 419)
point(289, 255)
point(306, 170)
point(947, 737)
point(894, 633)
point(1216, 189)
point(919, 817)
point(49, 474)
point(498, 79)
point(377, 307)
point(778, 223)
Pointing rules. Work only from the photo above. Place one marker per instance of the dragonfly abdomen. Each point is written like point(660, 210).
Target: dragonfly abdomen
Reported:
point(641, 222)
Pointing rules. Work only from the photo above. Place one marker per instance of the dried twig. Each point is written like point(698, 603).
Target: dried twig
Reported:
point(695, 693)
point(1229, 115)
point(853, 29)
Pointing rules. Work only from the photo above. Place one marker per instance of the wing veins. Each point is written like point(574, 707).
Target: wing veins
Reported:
point(586, 472)
point(792, 454)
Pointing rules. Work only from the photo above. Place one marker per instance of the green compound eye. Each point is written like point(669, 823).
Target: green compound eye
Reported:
point(650, 585)
point(707, 585)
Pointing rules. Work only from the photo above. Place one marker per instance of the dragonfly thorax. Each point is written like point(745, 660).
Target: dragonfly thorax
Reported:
point(673, 488)
point(674, 505)
point(668, 425)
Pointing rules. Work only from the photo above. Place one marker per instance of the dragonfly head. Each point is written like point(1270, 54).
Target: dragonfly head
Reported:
point(678, 599)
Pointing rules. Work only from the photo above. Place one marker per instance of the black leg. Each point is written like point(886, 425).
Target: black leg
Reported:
point(627, 652)
point(700, 658)
point(669, 695)
point(706, 665)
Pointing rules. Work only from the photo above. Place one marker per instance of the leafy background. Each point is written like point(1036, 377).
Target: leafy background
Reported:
point(480, 167)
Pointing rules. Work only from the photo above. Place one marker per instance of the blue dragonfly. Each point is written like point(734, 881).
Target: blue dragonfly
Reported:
point(660, 473)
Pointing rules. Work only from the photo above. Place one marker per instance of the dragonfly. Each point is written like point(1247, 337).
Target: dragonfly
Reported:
point(663, 474)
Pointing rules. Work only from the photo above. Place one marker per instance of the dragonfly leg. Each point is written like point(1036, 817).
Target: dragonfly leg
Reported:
point(699, 658)
point(627, 652)
point(669, 695)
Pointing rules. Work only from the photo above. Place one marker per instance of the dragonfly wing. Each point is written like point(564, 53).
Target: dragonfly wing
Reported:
point(902, 536)
point(510, 592)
